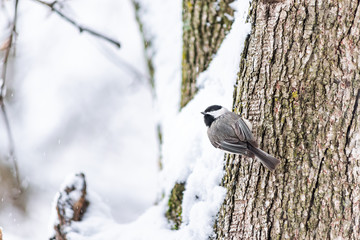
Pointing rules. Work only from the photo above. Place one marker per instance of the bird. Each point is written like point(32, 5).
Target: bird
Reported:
point(231, 133)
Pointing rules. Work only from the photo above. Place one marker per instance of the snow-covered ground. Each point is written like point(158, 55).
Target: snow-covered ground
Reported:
point(76, 110)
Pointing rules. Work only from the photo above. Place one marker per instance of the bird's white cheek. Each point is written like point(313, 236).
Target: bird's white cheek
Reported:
point(219, 112)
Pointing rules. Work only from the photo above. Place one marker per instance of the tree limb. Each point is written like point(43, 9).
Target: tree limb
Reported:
point(77, 25)
point(7, 49)
point(70, 206)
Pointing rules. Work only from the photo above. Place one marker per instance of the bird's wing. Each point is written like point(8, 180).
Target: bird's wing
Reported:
point(238, 148)
point(244, 133)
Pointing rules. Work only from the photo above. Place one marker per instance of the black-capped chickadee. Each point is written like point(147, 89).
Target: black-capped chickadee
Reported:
point(229, 132)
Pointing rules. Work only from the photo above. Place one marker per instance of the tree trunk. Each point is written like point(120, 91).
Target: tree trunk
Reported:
point(205, 25)
point(299, 84)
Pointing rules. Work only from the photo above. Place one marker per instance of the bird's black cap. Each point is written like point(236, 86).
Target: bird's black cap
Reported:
point(212, 108)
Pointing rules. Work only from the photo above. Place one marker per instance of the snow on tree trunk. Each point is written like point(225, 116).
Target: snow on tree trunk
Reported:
point(205, 25)
point(299, 84)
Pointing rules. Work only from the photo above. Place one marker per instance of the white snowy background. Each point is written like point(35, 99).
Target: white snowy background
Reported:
point(78, 106)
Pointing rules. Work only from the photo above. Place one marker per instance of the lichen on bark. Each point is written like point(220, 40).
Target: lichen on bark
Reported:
point(174, 211)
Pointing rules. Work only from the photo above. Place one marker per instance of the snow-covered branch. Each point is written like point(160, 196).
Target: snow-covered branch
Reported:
point(71, 204)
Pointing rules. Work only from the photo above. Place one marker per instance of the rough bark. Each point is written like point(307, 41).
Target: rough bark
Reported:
point(205, 25)
point(299, 83)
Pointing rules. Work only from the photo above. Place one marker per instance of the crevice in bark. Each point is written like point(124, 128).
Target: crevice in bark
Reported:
point(244, 54)
point(352, 119)
point(352, 22)
point(232, 188)
point(268, 216)
point(312, 198)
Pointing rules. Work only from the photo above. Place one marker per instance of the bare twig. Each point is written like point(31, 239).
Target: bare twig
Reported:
point(147, 45)
point(12, 155)
point(116, 60)
point(7, 50)
point(121, 63)
point(81, 28)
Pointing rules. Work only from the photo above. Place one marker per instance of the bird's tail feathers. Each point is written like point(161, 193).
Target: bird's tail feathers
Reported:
point(266, 159)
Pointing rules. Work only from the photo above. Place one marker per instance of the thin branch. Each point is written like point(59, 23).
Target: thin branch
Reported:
point(147, 44)
point(118, 61)
point(10, 41)
point(12, 155)
point(122, 63)
point(77, 25)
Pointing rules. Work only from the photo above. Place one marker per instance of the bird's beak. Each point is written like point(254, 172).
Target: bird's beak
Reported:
point(203, 113)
